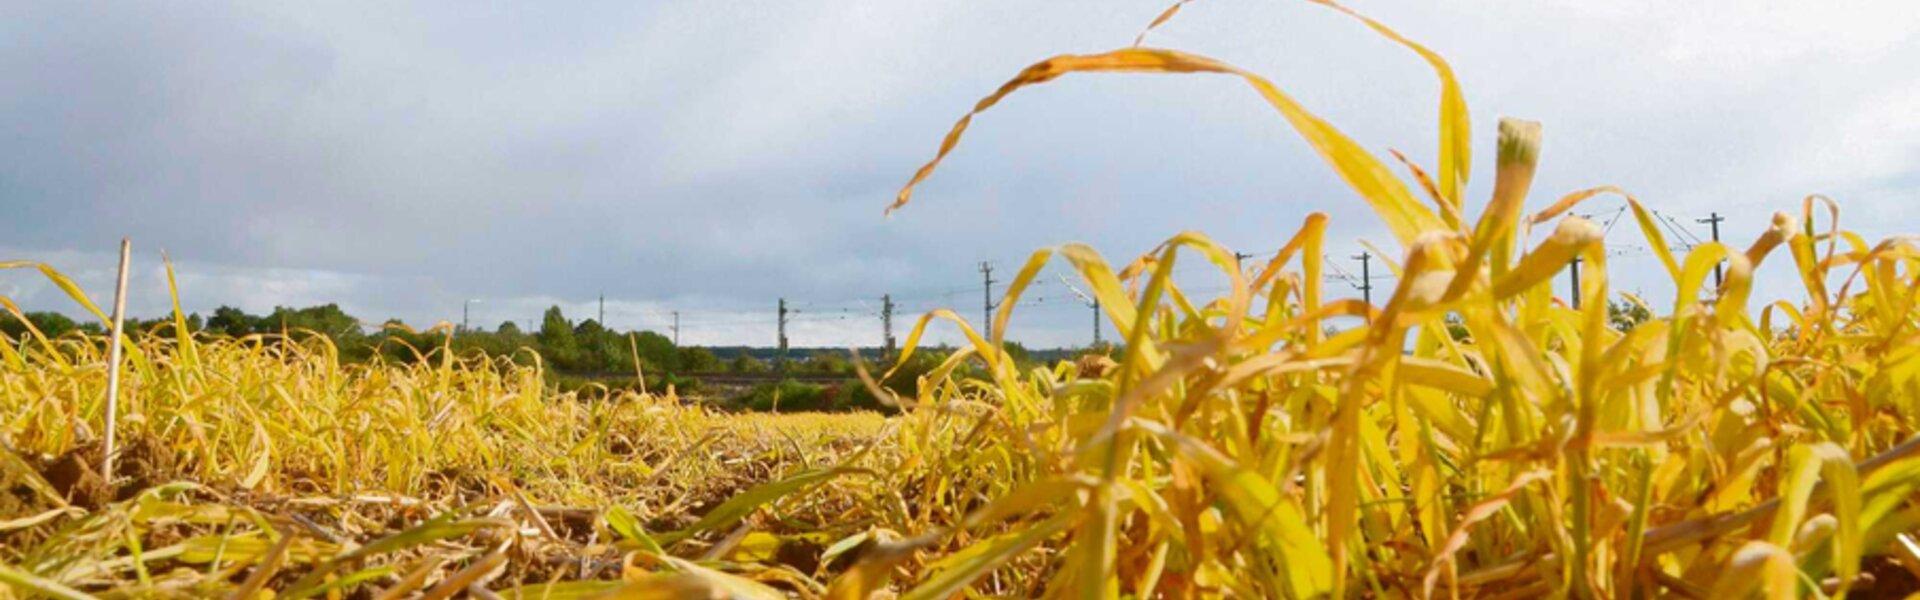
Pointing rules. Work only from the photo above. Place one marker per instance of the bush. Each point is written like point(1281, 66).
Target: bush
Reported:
point(787, 395)
point(746, 363)
point(794, 396)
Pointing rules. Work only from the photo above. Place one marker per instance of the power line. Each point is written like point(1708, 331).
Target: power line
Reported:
point(1339, 274)
point(1608, 228)
point(821, 312)
point(1679, 231)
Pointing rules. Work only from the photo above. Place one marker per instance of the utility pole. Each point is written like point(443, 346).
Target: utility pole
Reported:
point(986, 272)
point(886, 324)
point(780, 362)
point(1714, 222)
point(603, 311)
point(676, 329)
point(464, 304)
point(1575, 272)
point(1366, 277)
point(1096, 322)
point(1092, 301)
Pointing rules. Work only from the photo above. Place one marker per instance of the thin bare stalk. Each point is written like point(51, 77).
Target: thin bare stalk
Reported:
point(113, 359)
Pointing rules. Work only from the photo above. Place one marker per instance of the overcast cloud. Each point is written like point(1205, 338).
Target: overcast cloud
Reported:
point(711, 157)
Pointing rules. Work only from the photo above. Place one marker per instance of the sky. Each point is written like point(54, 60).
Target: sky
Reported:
point(711, 158)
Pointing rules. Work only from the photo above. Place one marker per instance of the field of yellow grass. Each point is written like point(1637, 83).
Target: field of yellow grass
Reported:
point(1477, 437)
point(230, 446)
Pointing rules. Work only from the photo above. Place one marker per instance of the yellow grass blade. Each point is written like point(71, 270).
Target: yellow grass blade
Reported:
point(1260, 507)
point(1159, 20)
point(1014, 289)
point(1105, 287)
point(34, 332)
point(1758, 566)
point(1573, 236)
point(571, 590)
point(181, 334)
point(953, 574)
point(18, 579)
point(66, 285)
point(1494, 236)
point(986, 350)
point(740, 506)
point(1805, 465)
point(1456, 140)
point(1361, 170)
point(1475, 514)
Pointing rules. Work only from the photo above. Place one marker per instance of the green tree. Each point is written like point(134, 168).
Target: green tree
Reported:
point(1457, 328)
point(608, 351)
point(231, 321)
point(699, 360)
point(556, 338)
point(827, 362)
point(588, 329)
point(599, 348)
point(326, 319)
point(1624, 316)
point(1018, 352)
point(52, 324)
point(656, 351)
point(163, 326)
point(746, 363)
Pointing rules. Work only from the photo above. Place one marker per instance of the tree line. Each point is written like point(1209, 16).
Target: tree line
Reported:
point(565, 345)
point(576, 355)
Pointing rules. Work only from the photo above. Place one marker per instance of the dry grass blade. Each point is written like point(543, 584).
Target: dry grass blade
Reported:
point(268, 566)
point(1366, 174)
point(29, 582)
point(1456, 139)
point(413, 580)
point(1159, 20)
point(459, 581)
point(1758, 566)
point(1477, 513)
point(952, 574)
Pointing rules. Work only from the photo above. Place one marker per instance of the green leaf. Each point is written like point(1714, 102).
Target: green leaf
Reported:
point(740, 506)
point(624, 523)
